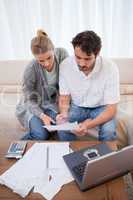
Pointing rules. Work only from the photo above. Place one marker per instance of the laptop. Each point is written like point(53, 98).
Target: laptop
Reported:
point(97, 164)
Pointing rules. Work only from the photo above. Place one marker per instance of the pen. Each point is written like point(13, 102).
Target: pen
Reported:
point(53, 122)
point(47, 164)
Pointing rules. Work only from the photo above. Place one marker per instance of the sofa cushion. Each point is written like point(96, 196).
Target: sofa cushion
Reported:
point(125, 66)
point(126, 89)
point(11, 71)
point(4, 88)
point(125, 120)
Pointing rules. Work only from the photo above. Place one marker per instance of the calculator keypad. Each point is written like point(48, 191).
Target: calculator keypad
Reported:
point(16, 149)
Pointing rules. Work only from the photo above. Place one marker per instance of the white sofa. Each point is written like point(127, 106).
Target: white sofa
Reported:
point(10, 90)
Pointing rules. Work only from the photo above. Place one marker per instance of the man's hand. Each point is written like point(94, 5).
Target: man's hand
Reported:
point(82, 129)
point(105, 116)
point(46, 119)
point(62, 118)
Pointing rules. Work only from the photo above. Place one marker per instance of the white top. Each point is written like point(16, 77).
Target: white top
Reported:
point(100, 87)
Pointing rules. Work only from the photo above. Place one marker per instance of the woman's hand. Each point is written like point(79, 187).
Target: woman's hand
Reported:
point(46, 119)
point(61, 118)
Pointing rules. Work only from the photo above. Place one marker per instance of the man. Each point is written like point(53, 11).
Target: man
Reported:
point(91, 84)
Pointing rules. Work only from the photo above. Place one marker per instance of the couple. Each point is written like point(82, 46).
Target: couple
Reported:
point(83, 88)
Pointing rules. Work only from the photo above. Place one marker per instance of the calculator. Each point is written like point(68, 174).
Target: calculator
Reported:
point(16, 149)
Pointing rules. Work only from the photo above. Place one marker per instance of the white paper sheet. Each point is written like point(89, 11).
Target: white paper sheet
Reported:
point(55, 155)
point(59, 178)
point(65, 127)
point(22, 176)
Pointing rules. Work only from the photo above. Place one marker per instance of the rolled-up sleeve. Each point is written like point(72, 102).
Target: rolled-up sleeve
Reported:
point(63, 83)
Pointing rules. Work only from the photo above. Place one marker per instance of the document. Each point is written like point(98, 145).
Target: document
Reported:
point(62, 127)
point(58, 171)
point(22, 176)
point(59, 178)
point(56, 153)
point(34, 169)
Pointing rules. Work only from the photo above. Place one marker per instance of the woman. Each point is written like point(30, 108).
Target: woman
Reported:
point(38, 107)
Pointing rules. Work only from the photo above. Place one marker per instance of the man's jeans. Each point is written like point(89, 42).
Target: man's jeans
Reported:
point(107, 131)
point(37, 132)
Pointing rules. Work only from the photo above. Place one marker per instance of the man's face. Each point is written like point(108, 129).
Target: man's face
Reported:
point(46, 60)
point(85, 62)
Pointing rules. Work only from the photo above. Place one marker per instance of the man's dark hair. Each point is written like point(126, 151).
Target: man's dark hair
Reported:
point(88, 41)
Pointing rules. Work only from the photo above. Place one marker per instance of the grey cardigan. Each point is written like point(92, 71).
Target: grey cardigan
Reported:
point(37, 95)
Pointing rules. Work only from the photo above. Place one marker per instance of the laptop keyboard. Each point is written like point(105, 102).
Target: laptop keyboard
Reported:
point(79, 169)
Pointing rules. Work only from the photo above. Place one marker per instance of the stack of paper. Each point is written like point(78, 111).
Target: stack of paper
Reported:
point(35, 168)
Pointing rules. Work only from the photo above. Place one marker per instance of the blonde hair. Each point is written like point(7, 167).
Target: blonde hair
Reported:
point(41, 43)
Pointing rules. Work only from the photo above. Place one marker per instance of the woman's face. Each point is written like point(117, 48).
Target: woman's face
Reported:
point(46, 60)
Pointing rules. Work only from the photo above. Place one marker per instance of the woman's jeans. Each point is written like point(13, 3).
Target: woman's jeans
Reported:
point(36, 129)
point(107, 131)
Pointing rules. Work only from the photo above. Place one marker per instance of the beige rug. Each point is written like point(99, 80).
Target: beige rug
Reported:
point(129, 185)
